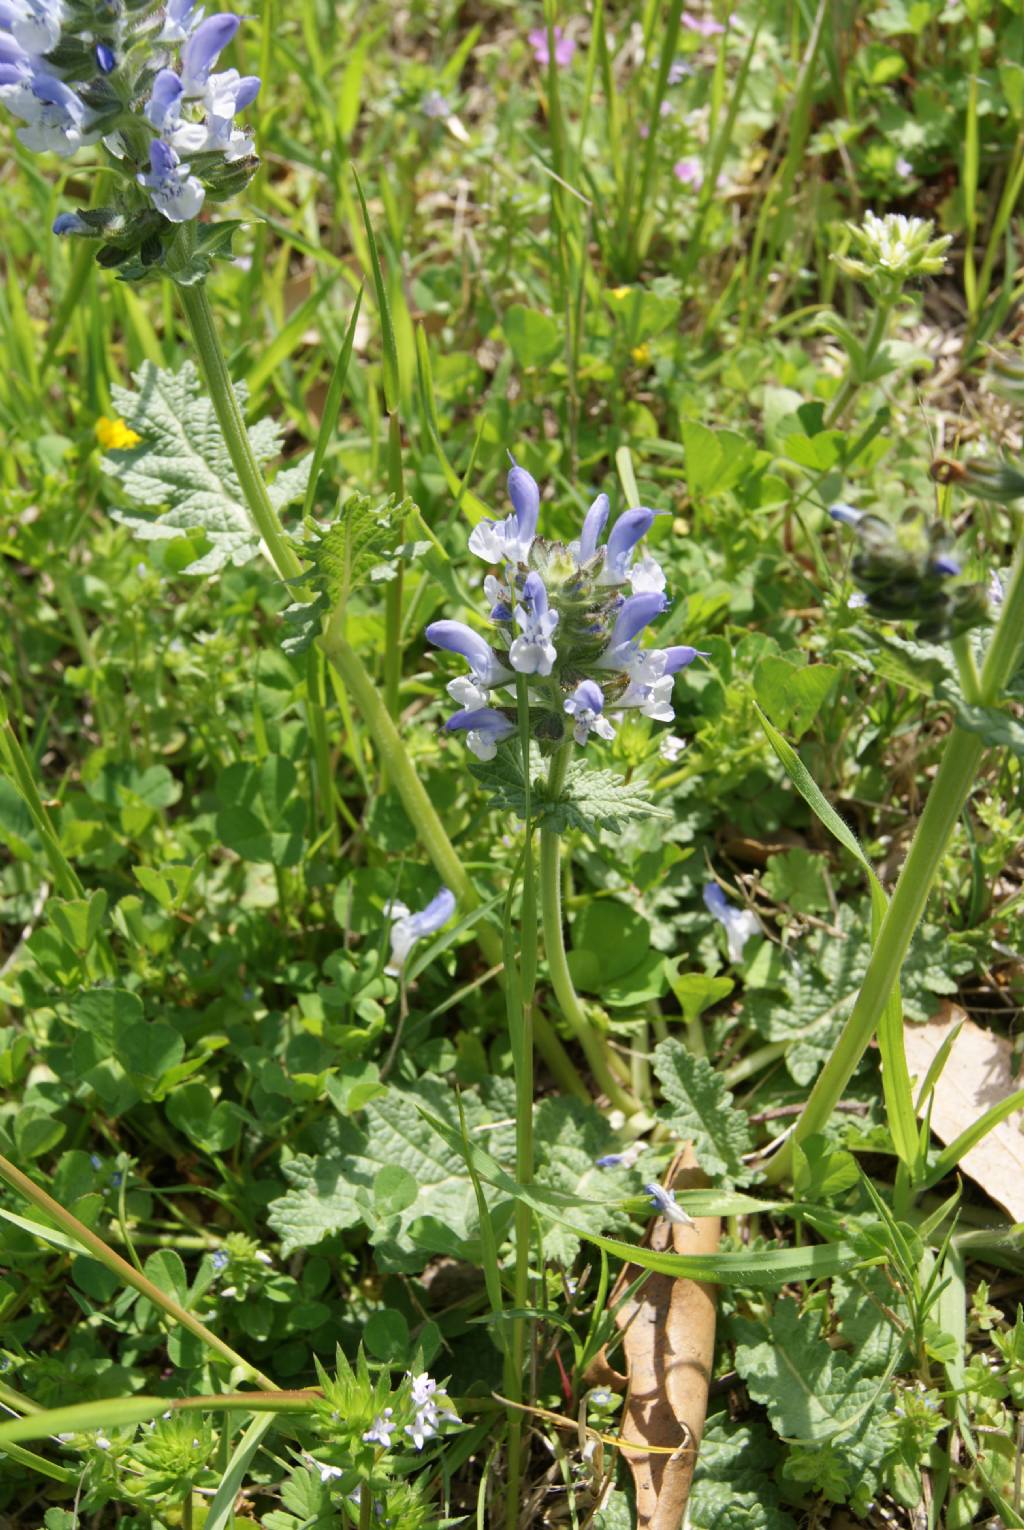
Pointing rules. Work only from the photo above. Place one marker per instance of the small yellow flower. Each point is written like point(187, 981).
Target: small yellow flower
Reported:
point(641, 354)
point(115, 434)
point(621, 292)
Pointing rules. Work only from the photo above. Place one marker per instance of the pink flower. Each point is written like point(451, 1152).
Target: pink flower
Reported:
point(690, 172)
point(704, 26)
point(565, 47)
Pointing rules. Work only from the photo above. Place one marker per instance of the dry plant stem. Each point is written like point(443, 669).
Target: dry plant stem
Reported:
point(596, 1053)
point(956, 775)
point(395, 762)
point(124, 1271)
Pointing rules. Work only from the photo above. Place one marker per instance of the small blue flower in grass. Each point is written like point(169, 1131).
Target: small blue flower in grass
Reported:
point(628, 530)
point(488, 670)
point(175, 192)
point(570, 616)
point(585, 706)
point(510, 540)
point(665, 1201)
point(180, 20)
point(635, 613)
point(739, 923)
point(533, 652)
point(381, 1430)
point(408, 927)
point(484, 728)
point(219, 1259)
point(56, 120)
point(203, 49)
point(593, 524)
point(847, 515)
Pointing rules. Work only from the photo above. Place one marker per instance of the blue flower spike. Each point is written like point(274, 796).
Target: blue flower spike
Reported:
point(569, 617)
point(56, 60)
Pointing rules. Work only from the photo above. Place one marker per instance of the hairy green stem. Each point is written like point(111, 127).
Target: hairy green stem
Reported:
point(519, 996)
point(196, 304)
point(956, 775)
point(558, 967)
point(94, 1245)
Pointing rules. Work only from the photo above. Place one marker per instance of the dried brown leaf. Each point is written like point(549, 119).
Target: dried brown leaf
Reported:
point(978, 1074)
point(668, 1342)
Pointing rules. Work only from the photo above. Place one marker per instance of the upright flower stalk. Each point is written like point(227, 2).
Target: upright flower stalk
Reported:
point(566, 623)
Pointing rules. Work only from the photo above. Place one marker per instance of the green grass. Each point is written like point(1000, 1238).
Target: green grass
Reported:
point(240, 1153)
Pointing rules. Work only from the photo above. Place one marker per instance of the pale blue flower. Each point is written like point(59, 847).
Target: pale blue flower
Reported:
point(175, 193)
point(407, 928)
point(739, 923)
point(163, 109)
point(585, 706)
point(423, 1390)
point(180, 20)
point(35, 25)
point(532, 652)
point(70, 223)
point(220, 1259)
point(630, 527)
point(847, 514)
point(488, 670)
point(203, 49)
point(226, 95)
point(381, 1430)
point(485, 729)
point(665, 1201)
point(423, 1427)
point(56, 120)
point(510, 540)
point(593, 524)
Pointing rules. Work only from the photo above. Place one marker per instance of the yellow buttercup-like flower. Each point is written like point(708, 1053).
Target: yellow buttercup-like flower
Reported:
point(115, 435)
point(641, 353)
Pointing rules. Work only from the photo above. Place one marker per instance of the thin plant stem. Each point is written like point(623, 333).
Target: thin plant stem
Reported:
point(124, 1271)
point(954, 779)
point(394, 591)
point(558, 967)
point(519, 997)
point(13, 756)
point(196, 303)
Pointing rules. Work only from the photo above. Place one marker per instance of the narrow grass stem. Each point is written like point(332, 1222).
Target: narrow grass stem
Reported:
point(558, 967)
point(94, 1245)
point(956, 775)
point(13, 757)
point(394, 591)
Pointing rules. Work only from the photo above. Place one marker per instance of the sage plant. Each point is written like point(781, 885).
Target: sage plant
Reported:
point(140, 80)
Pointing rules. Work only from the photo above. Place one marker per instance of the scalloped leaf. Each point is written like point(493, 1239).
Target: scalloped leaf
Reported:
point(182, 466)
